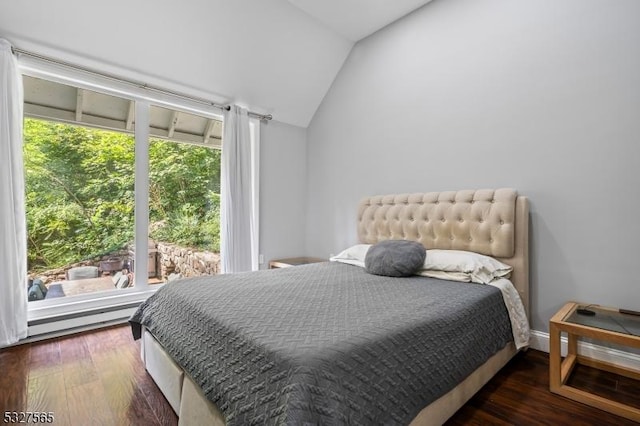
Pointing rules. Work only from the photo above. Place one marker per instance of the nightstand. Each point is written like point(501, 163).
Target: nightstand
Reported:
point(294, 261)
point(605, 324)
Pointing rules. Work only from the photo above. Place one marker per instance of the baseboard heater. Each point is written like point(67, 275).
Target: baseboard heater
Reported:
point(75, 322)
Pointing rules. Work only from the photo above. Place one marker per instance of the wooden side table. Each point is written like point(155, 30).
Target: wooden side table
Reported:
point(608, 325)
point(294, 261)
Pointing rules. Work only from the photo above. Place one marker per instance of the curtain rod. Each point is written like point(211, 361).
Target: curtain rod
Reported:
point(145, 86)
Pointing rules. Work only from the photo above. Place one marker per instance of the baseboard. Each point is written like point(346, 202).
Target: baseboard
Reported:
point(68, 331)
point(540, 341)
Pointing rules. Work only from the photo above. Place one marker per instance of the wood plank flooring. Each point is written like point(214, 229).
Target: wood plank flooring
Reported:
point(94, 378)
point(519, 395)
point(98, 378)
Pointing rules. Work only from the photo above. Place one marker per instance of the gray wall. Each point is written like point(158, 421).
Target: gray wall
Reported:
point(283, 185)
point(542, 96)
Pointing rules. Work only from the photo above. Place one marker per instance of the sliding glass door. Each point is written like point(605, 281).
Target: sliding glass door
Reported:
point(79, 181)
point(121, 194)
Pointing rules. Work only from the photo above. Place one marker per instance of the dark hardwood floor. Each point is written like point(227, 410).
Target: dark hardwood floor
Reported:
point(97, 378)
point(94, 378)
point(519, 395)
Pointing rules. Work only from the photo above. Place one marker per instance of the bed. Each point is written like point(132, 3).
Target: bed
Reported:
point(331, 344)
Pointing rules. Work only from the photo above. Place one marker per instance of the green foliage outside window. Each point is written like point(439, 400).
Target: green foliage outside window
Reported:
point(80, 193)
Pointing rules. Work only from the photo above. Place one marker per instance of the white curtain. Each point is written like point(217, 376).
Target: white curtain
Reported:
point(239, 192)
point(13, 235)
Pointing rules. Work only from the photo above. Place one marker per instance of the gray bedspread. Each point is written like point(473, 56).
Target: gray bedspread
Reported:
point(325, 343)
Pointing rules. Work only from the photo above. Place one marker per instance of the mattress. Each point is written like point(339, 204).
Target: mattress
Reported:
point(325, 343)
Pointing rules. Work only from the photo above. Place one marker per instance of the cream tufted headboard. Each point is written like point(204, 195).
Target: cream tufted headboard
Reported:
point(490, 222)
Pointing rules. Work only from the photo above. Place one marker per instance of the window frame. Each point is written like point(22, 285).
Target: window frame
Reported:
point(143, 98)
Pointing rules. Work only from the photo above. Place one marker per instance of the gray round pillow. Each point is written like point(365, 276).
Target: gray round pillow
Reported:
point(395, 258)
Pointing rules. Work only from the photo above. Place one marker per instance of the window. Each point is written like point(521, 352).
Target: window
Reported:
point(104, 167)
point(79, 181)
point(184, 194)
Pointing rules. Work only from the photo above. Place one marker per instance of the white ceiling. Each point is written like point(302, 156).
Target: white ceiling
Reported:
point(269, 55)
point(356, 19)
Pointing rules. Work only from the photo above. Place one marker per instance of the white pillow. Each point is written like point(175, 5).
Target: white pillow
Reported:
point(477, 267)
point(444, 275)
point(354, 255)
point(452, 265)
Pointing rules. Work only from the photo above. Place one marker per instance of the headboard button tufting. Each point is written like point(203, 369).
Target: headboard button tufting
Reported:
point(444, 220)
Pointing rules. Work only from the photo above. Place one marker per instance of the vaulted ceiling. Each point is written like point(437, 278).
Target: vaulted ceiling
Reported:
point(356, 19)
point(276, 56)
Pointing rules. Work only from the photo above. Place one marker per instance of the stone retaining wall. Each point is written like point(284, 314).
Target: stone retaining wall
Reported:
point(173, 259)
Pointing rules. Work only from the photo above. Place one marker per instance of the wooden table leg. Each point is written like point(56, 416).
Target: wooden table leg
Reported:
point(554, 358)
point(566, 367)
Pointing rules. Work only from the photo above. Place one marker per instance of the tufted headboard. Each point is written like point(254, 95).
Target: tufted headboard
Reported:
point(490, 222)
